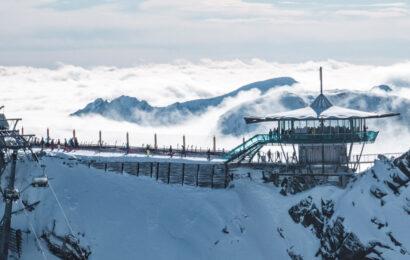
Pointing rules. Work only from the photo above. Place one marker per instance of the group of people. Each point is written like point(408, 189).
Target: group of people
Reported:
point(315, 130)
point(182, 152)
point(274, 157)
point(56, 144)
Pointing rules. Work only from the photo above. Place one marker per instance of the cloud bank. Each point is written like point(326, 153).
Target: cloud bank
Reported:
point(45, 97)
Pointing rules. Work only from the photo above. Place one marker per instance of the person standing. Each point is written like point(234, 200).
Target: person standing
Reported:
point(269, 156)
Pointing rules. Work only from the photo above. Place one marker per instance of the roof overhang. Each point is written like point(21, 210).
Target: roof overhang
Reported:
point(255, 120)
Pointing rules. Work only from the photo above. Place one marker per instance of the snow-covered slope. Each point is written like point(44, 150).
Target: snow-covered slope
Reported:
point(128, 217)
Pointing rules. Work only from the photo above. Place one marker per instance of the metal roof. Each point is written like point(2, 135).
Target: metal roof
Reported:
point(321, 108)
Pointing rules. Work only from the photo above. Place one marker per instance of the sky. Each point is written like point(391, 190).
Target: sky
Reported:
point(45, 33)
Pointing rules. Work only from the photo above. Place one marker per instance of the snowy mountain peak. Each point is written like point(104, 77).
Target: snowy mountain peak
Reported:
point(126, 108)
point(382, 88)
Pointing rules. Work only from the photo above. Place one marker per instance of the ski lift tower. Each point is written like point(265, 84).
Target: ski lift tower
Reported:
point(322, 136)
point(11, 142)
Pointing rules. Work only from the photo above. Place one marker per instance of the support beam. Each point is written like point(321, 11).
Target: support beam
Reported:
point(295, 155)
point(358, 159)
point(284, 155)
point(5, 235)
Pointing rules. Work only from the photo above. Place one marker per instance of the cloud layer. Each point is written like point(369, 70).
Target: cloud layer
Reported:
point(45, 97)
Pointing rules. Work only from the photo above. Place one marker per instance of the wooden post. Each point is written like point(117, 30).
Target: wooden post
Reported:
point(212, 175)
point(127, 137)
point(22, 130)
point(99, 138)
point(73, 133)
point(226, 169)
point(197, 175)
point(183, 141)
point(155, 142)
point(169, 172)
point(214, 144)
point(183, 173)
point(48, 135)
point(157, 171)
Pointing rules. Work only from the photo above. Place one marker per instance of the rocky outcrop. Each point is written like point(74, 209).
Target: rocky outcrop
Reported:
point(335, 241)
point(403, 163)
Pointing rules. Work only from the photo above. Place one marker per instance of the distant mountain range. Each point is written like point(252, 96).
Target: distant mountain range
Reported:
point(131, 109)
point(124, 108)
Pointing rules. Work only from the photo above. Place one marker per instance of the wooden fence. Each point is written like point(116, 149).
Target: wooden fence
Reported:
point(201, 175)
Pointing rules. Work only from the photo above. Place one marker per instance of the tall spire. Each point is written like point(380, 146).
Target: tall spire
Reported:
point(321, 81)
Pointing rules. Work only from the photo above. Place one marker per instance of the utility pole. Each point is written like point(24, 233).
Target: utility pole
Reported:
point(9, 198)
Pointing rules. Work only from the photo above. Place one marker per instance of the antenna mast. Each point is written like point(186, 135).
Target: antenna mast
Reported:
point(321, 81)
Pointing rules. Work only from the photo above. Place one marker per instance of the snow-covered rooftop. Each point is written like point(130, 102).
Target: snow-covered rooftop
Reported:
point(321, 108)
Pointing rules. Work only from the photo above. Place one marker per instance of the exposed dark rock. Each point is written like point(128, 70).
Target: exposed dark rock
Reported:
point(379, 224)
point(393, 187)
point(328, 208)
point(403, 163)
point(293, 255)
point(280, 231)
point(375, 175)
point(335, 241)
point(225, 230)
point(377, 192)
point(296, 184)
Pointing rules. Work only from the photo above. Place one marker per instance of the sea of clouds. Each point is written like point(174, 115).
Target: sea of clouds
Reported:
point(44, 97)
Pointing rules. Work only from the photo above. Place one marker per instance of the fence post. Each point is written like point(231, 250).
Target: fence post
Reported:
point(183, 173)
point(99, 138)
point(226, 169)
point(157, 171)
point(22, 130)
point(127, 137)
point(183, 142)
point(212, 175)
point(155, 142)
point(214, 144)
point(197, 175)
point(73, 133)
point(48, 135)
point(169, 172)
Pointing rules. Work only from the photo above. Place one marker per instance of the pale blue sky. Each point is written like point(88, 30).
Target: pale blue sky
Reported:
point(125, 32)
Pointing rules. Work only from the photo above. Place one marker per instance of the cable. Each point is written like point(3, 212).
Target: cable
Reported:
point(34, 232)
point(61, 207)
point(62, 211)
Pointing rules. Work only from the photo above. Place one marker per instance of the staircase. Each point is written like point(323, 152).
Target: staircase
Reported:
point(250, 147)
